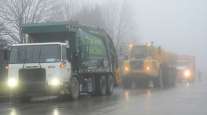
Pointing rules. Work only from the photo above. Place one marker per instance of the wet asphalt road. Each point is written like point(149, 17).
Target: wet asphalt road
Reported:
point(185, 99)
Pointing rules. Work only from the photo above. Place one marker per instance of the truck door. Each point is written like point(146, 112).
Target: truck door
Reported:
point(65, 62)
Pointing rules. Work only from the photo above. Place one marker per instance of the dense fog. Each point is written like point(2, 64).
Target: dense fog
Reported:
point(177, 25)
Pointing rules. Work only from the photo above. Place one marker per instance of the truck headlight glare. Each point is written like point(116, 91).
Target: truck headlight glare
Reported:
point(187, 73)
point(126, 68)
point(54, 82)
point(12, 82)
point(148, 68)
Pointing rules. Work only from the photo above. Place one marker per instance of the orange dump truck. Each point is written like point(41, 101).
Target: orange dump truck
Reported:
point(149, 64)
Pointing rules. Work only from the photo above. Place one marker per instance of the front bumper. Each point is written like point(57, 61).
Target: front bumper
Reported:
point(139, 74)
point(36, 89)
point(181, 78)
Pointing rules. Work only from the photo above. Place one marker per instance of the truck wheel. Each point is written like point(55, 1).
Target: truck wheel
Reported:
point(159, 81)
point(110, 85)
point(74, 88)
point(101, 88)
point(126, 83)
point(173, 82)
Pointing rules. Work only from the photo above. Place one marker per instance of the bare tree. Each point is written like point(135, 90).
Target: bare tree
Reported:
point(68, 9)
point(2, 28)
point(4, 33)
point(14, 13)
point(72, 7)
point(90, 16)
point(123, 27)
point(110, 15)
point(114, 17)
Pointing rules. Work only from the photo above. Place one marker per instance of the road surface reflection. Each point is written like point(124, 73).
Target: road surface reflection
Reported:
point(13, 111)
point(122, 99)
point(56, 111)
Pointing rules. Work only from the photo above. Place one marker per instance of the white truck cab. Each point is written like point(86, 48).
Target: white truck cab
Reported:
point(38, 67)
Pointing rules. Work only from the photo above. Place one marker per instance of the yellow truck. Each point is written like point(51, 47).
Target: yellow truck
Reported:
point(147, 64)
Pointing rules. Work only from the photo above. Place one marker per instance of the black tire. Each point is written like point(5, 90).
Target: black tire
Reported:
point(168, 80)
point(126, 83)
point(74, 88)
point(101, 86)
point(173, 77)
point(110, 85)
point(159, 80)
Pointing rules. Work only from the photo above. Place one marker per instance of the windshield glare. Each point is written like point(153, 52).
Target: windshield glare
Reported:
point(35, 54)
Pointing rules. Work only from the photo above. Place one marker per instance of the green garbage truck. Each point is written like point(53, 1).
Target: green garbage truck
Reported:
point(63, 58)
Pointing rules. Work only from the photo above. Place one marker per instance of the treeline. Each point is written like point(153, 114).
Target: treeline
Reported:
point(116, 17)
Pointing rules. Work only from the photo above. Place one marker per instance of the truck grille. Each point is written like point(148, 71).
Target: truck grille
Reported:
point(32, 75)
point(136, 65)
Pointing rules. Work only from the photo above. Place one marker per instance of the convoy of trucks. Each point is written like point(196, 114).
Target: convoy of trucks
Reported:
point(149, 64)
point(70, 59)
point(63, 59)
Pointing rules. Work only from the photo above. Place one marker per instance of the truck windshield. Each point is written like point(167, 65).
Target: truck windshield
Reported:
point(139, 52)
point(184, 63)
point(35, 54)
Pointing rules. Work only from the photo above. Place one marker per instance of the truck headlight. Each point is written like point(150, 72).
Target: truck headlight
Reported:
point(148, 68)
point(12, 82)
point(187, 73)
point(126, 68)
point(54, 82)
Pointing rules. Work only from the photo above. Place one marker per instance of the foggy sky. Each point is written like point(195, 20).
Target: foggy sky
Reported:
point(178, 25)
